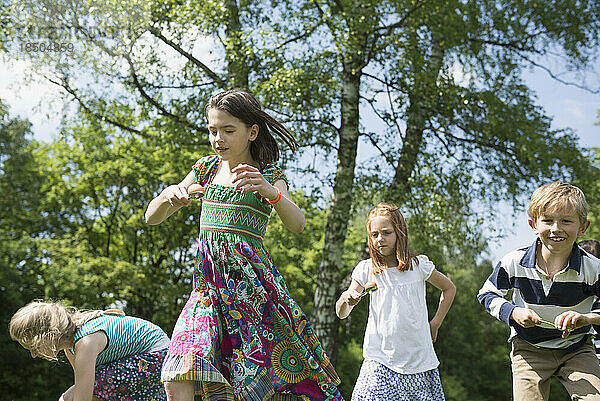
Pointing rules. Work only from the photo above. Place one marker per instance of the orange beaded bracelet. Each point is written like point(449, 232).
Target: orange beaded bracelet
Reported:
point(277, 197)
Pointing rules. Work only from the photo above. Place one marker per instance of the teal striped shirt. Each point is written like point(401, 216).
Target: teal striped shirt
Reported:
point(127, 335)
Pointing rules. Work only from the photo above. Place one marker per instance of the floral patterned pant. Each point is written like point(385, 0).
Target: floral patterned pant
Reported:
point(133, 378)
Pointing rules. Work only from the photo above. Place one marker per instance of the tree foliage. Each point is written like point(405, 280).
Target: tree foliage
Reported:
point(22, 220)
point(420, 102)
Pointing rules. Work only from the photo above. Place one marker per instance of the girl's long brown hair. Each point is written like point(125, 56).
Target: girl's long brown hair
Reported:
point(41, 326)
point(243, 105)
point(403, 253)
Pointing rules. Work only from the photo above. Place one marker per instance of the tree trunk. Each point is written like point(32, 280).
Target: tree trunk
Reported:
point(237, 66)
point(323, 317)
point(415, 126)
point(417, 116)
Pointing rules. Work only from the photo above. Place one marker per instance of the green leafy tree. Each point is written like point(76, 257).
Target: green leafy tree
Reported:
point(460, 127)
point(21, 222)
point(103, 251)
point(457, 128)
point(590, 184)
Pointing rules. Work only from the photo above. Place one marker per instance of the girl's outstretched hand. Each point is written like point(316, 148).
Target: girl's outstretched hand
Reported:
point(195, 191)
point(249, 178)
point(348, 299)
point(351, 296)
point(170, 199)
point(176, 195)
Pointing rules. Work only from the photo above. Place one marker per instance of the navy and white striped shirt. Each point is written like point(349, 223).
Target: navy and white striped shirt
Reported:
point(571, 289)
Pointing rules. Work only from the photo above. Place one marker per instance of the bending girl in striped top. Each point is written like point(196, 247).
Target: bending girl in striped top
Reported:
point(114, 357)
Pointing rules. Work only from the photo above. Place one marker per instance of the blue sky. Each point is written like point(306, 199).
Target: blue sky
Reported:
point(568, 105)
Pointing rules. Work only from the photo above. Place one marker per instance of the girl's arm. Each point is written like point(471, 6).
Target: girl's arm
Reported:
point(70, 357)
point(68, 394)
point(249, 178)
point(444, 284)
point(171, 199)
point(348, 299)
point(289, 213)
point(84, 364)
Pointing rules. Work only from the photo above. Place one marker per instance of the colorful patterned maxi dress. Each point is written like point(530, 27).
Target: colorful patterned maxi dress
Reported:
point(241, 336)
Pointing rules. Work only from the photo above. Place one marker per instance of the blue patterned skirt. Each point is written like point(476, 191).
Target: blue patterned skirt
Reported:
point(377, 382)
point(133, 378)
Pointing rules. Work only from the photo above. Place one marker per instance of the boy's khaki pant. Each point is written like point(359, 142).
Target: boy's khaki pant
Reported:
point(533, 367)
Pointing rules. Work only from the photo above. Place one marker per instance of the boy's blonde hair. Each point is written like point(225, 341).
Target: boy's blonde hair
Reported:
point(558, 196)
point(41, 326)
point(403, 253)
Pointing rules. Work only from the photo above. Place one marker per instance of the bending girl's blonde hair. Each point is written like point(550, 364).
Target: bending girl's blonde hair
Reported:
point(41, 326)
point(403, 253)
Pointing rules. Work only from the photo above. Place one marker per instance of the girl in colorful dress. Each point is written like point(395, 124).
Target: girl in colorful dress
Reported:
point(114, 357)
point(240, 335)
point(400, 363)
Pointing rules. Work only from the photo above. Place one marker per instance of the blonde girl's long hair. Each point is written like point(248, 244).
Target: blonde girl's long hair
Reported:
point(403, 254)
point(41, 326)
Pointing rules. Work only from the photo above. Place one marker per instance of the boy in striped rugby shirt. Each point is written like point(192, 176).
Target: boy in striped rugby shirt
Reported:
point(555, 284)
